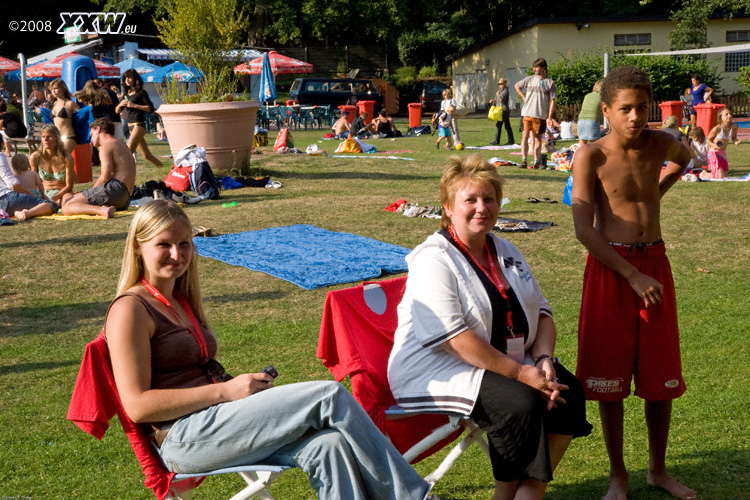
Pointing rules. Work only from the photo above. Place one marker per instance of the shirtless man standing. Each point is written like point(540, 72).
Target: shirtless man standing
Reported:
point(112, 189)
point(628, 322)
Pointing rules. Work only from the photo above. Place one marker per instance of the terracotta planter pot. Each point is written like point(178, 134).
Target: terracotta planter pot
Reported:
point(225, 129)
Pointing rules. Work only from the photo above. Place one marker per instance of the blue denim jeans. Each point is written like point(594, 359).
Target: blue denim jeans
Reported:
point(13, 201)
point(317, 426)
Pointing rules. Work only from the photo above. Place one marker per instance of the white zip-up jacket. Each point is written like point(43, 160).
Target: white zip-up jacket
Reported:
point(443, 298)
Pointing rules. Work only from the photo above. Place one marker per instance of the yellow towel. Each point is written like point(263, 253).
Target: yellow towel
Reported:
point(124, 213)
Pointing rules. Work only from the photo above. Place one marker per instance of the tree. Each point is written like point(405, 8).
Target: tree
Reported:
point(203, 32)
point(692, 20)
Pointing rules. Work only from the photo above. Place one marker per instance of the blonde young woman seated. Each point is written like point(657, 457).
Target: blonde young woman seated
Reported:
point(163, 358)
point(54, 165)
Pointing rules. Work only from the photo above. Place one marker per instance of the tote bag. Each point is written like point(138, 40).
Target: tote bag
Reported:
point(496, 113)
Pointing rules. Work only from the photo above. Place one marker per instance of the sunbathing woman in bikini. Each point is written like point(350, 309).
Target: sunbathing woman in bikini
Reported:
point(54, 165)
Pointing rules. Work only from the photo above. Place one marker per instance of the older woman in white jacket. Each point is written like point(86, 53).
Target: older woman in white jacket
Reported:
point(476, 336)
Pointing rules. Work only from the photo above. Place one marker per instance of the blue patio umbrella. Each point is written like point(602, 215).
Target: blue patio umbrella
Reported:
point(267, 91)
point(142, 67)
point(177, 72)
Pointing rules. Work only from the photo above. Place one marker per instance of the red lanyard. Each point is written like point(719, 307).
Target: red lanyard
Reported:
point(196, 330)
point(493, 275)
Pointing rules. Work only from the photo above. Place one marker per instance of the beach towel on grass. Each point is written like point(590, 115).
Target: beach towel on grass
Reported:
point(305, 255)
point(508, 225)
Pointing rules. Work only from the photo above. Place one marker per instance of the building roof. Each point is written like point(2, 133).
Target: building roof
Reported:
point(64, 50)
point(169, 54)
point(578, 21)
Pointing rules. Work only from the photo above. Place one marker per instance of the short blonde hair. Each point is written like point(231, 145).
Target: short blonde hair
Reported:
point(450, 108)
point(669, 122)
point(152, 219)
point(598, 85)
point(472, 168)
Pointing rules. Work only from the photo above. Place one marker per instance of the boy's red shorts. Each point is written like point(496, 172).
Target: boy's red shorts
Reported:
point(619, 338)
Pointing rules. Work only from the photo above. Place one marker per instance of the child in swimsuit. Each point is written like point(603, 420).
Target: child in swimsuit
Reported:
point(698, 146)
point(718, 139)
point(27, 177)
point(628, 326)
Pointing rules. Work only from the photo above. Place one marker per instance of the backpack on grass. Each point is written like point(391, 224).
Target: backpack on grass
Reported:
point(203, 181)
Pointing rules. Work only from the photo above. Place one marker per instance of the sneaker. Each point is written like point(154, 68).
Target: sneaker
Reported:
point(523, 164)
point(510, 143)
point(538, 164)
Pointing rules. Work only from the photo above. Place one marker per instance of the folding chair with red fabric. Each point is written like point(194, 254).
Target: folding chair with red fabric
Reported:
point(356, 337)
point(95, 401)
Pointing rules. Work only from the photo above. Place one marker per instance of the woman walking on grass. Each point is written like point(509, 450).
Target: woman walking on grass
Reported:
point(136, 103)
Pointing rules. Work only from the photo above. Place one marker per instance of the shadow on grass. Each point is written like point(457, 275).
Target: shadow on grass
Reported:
point(32, 367)
point(337, 174)
point(722, 474)
point(81, 239)
point(32, 320)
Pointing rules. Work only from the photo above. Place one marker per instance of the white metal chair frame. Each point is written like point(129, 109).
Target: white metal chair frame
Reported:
point(472, 434)
point(257, 477)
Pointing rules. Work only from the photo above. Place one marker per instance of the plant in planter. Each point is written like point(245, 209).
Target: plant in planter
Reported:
point(204, 33)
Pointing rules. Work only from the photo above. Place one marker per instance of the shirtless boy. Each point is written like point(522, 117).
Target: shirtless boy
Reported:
point(628, 320)
point(112, 189)
point(341, 128)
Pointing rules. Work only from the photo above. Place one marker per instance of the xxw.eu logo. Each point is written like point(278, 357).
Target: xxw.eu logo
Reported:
point(94, 23)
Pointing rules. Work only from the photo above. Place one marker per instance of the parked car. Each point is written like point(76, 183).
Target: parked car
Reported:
point(334, 91)
point(427, 92)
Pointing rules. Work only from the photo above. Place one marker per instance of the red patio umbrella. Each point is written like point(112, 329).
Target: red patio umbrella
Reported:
point(8, 65)
point(280, 65)
point(53, 68)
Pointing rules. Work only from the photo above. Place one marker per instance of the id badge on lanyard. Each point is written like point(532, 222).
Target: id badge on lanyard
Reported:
point(515, 348)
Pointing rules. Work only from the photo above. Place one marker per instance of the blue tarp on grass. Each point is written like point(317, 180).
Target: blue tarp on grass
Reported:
point(305, 255)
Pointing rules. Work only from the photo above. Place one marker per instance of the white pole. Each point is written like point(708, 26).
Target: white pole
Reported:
point(25, 104)
point(606, 64)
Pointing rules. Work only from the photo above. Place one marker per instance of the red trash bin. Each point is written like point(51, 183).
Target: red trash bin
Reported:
point(415, 114)
point(82, 162)
point(672, 108)
point(707, 116)
point(367, 107)
point(352, 111)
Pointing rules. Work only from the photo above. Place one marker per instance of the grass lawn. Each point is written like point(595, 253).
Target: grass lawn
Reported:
point(57, 278)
